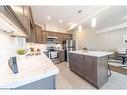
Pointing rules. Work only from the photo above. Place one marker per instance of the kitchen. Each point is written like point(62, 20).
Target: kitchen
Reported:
point(46, 50)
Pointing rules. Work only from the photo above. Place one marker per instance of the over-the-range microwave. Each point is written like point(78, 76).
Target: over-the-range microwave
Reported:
point(52, 39)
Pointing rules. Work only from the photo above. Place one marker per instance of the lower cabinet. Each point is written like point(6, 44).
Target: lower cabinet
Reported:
point(76, 63)
point(62, 56)
point(92, 69)
point(45, 83)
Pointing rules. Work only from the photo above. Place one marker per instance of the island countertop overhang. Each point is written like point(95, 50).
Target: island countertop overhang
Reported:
point(92, 53)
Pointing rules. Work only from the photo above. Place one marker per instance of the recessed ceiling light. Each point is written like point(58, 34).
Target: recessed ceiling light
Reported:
point(48, 17)
point(60, 20)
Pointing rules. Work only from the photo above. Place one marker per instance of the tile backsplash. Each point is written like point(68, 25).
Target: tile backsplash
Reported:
point(43, 47)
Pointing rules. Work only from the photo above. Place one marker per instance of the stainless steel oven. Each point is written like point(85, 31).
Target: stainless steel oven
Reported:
point(53, 54)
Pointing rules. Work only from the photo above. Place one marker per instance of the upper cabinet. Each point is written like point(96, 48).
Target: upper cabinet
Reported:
point(18, 11)
point(67, 36)
point(36, 35)
point(39, 34)
point(22, 13)
point(31, 26)
point(11, 20)
point(27, 19)
point(60, 36)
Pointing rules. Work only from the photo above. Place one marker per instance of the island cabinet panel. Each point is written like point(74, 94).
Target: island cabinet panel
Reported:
point(76, 63)
point(102, 70)
point(46, 83)
point(91, 68)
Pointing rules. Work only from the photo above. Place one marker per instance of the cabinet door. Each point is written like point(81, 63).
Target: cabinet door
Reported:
point(62, 56)
point(90, 69)
point(45, 34)
point(19, 12)
point(39, 34)
point(59, 37)
point(23, 15)
point(11, 15)
point(67, 36)
point(32, 35)
point(76, 63)
point(29, 23)
point(27, 19)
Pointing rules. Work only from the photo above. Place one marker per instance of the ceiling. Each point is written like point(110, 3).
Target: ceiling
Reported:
point(106, 17)
point(69, 14)
point(113, 16)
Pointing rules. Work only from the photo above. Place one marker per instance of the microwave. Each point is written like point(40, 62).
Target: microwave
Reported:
point(52, 39)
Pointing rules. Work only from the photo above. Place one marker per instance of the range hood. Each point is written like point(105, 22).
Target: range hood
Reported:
point(7, 26)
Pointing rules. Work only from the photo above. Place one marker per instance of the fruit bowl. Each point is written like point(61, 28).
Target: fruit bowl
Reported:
point(21, 51)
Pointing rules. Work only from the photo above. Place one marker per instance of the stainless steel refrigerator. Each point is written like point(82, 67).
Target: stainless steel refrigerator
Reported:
point(68, 45)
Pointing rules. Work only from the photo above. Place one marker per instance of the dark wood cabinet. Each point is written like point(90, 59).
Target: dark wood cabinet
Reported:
point(31, 27)
point(45, 34)
point(90, 71)
point(35, 31)
point(39, 34)
point(22, 13)
point(60, 39)
point(67, 36)
point(93, 69)
point(32, 35)
point(62, 56)
point(27, 19)
point(19, 12)
point(76, 63)
point(14, 18)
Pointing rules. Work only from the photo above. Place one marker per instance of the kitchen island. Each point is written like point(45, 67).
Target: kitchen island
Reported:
point(90, 65)
point(34, 72)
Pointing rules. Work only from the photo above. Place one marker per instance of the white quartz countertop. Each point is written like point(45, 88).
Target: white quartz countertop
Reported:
point(31, 68)
point(92, 53)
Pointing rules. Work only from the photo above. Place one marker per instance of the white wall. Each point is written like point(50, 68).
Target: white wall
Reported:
point(85, 39)
point(112, 39)
point(43, 47)
point(8, 47)
point(100, 41)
